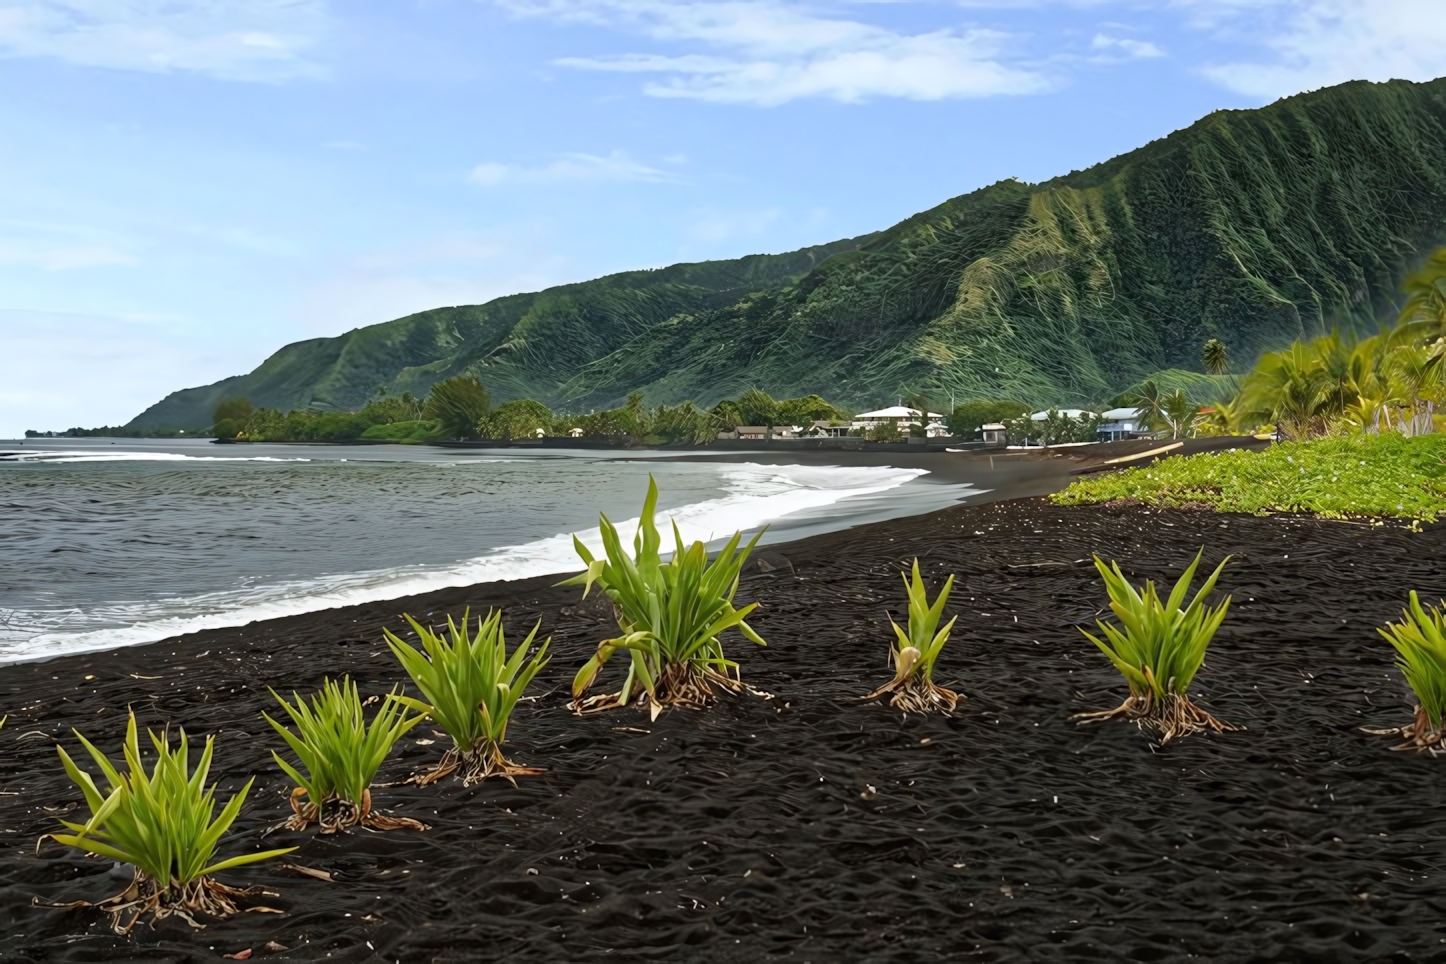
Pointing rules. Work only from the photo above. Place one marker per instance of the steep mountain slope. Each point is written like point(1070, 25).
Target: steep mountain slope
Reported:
point(1250, 226)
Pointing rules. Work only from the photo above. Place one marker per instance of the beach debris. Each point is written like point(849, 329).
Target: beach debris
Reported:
point(308, 871)
point(1420, 642)
point(242, 955)
point(671, 615)
point(471, 685)
point(341, 755)
point(159, 823)
point(1159, 650)
point(274, 947)
point(915, 652)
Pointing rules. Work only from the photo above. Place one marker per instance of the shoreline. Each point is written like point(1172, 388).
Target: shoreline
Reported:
point(991, 476)
point(761, 826)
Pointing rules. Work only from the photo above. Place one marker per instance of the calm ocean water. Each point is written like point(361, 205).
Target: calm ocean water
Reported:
point(108, 543)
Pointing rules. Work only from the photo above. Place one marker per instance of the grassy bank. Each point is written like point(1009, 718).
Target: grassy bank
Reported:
point(1385, 475)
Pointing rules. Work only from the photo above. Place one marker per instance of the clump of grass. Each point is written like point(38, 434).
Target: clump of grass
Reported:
point(1383, 476)
point(670, 613)
point(471, 686)
point(1159, 648)
point(341, 755)
point(160, 823)
point(913, 688)
point(1420, 641)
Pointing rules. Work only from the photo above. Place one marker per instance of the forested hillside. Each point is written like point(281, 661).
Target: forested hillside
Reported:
point(1254, 227)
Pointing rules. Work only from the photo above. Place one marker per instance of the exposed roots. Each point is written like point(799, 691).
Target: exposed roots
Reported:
point(143, 898)
point(680, 685)
point(1172, 718)
point(915, 694)
point(483, 762)
point(335, 815)
point(1418, 735)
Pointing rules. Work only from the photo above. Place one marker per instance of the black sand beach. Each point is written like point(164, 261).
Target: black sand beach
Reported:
point(810, 826)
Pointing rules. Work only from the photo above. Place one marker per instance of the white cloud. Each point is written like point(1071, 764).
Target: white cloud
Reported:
point(584, 168)
point(264, 40)
point(1317, 43)
point(769, 52)
point(1130, 48)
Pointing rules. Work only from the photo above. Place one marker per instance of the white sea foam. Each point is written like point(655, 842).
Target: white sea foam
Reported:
point(62, 457)
point(755, 495)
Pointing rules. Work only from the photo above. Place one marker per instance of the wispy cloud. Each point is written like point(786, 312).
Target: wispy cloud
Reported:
point(1138, 49)
point(256, 40)
point(1316, 43)
point(584, 168)
point(769, 52)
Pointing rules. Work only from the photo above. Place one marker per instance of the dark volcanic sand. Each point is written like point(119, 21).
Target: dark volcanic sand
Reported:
point(814, 827)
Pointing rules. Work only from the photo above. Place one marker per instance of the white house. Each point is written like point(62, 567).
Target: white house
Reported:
point(1122, 423)
point(903, 417)
point(823, 428)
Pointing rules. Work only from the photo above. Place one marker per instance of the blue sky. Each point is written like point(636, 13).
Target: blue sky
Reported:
point(186, 185)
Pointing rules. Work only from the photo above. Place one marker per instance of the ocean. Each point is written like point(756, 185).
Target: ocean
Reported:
point(116, 542)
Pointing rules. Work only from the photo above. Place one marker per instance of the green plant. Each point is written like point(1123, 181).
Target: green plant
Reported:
point(459, 403)
point(160, 823)
point(1159, 649)
point(670, 613)
point(915, 652)
point(1215, 357)
point(341, 755)
point(471, 686)
point(1340, 477)
point(1420, 641)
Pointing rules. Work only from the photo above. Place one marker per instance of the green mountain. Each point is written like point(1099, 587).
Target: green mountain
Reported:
point(1253, 226)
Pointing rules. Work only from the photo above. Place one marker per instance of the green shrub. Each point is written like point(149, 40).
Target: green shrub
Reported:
point(670, 613)
point(472, 686)
point(417, 430)
point(1363, 475)
point(1159, 648)
point(915, 652)
point(161, 824)
point(341, 755)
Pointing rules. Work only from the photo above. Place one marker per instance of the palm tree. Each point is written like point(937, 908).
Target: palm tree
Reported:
point(1215, 357)
point(1424, 314)
point(1150, 402)
point(1179, 411)
point(460, 403)
point(1226, 418)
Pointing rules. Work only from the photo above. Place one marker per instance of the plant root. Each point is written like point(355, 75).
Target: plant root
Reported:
point(915, 694)
point(483, 762)
point(680, 685)
point(204, 895)
point(1171, 718)
point(1419, 735)
point(335, 815)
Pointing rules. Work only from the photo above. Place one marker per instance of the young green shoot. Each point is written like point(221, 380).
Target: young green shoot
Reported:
point(164, 825)
point(915, 652)
point(341, 755)
point(471, 686)
point(1420, 641)
point(671, 615)
point(1158, 648)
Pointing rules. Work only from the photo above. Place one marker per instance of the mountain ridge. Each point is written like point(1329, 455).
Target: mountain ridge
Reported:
point(1252, 226)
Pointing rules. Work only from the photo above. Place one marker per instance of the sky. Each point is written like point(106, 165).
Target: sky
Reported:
point(188, 185)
